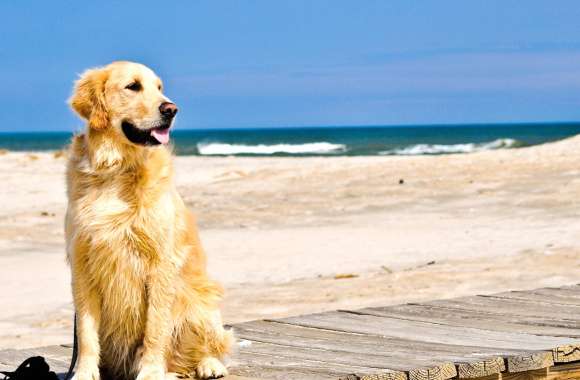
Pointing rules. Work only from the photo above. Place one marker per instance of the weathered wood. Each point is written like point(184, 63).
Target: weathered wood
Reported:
point(280, 331)
point(460, 310)
point(472, 319)
point(538, 374)
point(424, 354)
point(368, 377)
point(538, 297)
point(442, 371)
point(439, 371)
point(396, 351)
point(433, 333)
point(532, 362)
point(497, 376)
point(343, 358)
point(481, 368)
point(273, 366)
point(566, 353)
point(427, 332)
point(465, 318)
point(512, 307)
point(570, 371)
point(381, 376)
point(505, 336)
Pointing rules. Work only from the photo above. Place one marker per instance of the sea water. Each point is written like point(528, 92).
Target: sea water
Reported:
point(332, 141)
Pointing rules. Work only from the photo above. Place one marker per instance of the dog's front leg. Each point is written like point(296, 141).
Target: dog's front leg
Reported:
point(88, 316)
point(159, 326)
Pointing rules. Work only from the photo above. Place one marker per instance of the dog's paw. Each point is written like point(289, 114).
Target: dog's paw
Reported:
point(177, 376)
point(87, 374)
point(151, 373)
point(210, 368)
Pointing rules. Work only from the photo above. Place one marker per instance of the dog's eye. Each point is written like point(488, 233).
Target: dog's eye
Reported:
point(159, 87)
point(135, 86)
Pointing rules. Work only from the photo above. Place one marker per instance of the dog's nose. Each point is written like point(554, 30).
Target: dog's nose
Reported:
point(168, 109)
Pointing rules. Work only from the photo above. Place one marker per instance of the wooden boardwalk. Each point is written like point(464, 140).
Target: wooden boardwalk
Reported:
point(521, 335)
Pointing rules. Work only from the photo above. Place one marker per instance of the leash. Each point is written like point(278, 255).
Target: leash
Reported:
point(36, 368)
point(73, 360)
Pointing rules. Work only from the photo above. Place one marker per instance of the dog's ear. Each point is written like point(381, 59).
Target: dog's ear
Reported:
point(88, 98)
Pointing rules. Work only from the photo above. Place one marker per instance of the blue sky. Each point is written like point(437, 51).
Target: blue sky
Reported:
point(301, 63)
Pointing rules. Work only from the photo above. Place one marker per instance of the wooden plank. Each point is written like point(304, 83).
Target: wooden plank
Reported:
point(382, 376)
point(511, 307)
point(493, 306)
point(442, 371)
point(566, 353)
point(500, 316)
point(412, 330)
point(481, 368)
point(552, 321)
point(401, 354)
point(291, 335)
point(491, 377)
point(295, 334)
point(535, 361)
point(427, 332)
point(570, 371)
point(538, 374)
point(469, 318)
point(272, 366)
point(535, 296)
point(491, 313)
point(332, 356)
point(439, 371)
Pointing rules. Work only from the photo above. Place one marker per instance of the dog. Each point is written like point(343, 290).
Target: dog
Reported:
point(145, 307)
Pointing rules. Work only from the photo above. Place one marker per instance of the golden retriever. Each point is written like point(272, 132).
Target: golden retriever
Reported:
point(145, 306)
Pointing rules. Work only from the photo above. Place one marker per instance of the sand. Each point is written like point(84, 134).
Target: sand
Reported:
point(289, 236)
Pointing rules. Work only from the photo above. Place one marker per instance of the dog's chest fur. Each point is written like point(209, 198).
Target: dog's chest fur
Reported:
point(120, 225)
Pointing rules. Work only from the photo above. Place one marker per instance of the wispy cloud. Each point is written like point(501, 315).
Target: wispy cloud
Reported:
point(438, 51)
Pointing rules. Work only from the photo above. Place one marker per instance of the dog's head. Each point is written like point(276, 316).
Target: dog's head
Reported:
point(126, 98)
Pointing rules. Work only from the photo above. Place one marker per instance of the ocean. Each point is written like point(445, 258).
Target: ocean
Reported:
point(332, 141)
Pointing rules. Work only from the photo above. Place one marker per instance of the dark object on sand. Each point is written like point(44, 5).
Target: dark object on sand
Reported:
point(401, 181)
point(34, 368)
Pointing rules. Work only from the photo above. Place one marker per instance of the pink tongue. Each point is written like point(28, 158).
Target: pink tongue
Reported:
point(161, 135)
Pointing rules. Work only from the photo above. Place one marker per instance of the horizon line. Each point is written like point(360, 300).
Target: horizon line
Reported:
point(325, 126)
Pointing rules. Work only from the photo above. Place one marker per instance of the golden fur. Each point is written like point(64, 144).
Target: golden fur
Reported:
point(145, 307)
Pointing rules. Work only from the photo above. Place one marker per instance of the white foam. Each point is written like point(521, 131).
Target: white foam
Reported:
point(209, 149)
point(420, 149)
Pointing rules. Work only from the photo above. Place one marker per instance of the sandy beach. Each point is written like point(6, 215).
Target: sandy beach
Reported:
point(289, 236)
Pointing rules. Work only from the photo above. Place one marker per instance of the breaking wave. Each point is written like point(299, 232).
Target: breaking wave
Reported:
point(420, 149)
point(221, 149)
